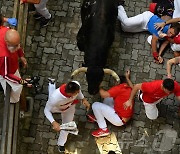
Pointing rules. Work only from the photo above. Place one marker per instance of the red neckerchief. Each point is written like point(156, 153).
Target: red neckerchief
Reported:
point(62, 90)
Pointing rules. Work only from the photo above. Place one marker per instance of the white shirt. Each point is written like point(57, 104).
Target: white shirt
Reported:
point(58, 103)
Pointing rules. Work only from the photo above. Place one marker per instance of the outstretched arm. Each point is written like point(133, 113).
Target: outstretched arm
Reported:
point(163, 46)
point(133, 93)
point(127, 74)
point(162, 24)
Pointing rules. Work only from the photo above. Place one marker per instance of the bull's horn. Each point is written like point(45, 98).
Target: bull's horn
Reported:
point(77, 71)
point(111, 72)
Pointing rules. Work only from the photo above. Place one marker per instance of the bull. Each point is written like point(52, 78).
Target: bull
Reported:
point(95, 38)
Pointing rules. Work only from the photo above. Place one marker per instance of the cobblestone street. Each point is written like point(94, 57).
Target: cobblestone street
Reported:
point(52, 52)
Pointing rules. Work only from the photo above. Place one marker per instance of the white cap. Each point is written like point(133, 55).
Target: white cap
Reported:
point(77, 83)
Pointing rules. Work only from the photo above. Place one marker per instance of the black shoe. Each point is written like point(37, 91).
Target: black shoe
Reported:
point(44, 22)
point(61, 149)
point(139, 94)
point(121, 2)
point(51, 80)
point(37, 16)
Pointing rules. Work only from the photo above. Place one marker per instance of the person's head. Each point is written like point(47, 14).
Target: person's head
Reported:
point(1, 19)
point(173, 31)
point(111, 152)
point(72, 88)
point(168, 85)
point(122, 79)
point(12, 39)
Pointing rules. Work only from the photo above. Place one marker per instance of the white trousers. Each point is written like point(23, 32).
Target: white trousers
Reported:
point(67, 116)
point(42, 9)
point(137, 23)
point(176, 14)
point(106, 110)
point(150, 109)
point(15, 88)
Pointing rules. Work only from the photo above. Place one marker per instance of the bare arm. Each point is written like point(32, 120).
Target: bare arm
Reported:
point(133, 93)
point(162, 24)
point(127, 74)
point(86, 103)
point(154, 43)
point(178, 97)
point(103, 93)
point(163, 46)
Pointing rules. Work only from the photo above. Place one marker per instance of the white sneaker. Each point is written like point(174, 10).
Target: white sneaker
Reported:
point(149, 39)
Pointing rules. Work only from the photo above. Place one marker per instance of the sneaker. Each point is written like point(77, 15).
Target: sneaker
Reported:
point(61, 149)
point(44, 22)
point(51, 80)
point(121, 2)
point(100, 132)
point(139, 94)
point(91, 118)
point(37, 16)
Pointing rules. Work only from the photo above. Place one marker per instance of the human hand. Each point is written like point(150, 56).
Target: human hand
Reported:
point(160, 59)
point(24, 61)
point(127, 74)
point(56, 126)
point(29, 85)
point(12, 21)
point(127, 104)
point(159, 26)
point(161, 34)
point(86, 104)
point(169, 76)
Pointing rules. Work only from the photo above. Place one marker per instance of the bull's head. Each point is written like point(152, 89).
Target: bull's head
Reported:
point(94, 77)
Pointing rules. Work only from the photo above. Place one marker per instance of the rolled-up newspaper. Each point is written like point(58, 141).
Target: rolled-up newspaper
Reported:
point(70, 127)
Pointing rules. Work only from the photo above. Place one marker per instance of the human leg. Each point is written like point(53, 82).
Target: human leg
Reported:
point(42, 9)
point(15, 88)
point(67, 116)
point(137, 23)
point(176, 13)
point(102, 111)
point(176, 49)
point(150, 109)
point(51, 88)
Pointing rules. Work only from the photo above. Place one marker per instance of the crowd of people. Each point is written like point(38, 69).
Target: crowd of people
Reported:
point(117, 106)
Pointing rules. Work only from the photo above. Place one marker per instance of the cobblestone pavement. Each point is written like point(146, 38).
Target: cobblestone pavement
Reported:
point(52, 51)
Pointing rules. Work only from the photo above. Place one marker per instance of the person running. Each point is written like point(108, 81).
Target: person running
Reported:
point(151, 93)
point(63, 100)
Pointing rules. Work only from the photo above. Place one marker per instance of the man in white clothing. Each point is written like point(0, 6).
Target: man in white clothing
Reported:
point(62, 100)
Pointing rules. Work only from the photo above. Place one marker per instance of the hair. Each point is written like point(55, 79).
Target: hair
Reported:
point(168, 84)
point(176, 27)
point(1, 19)
point(111, 152)
point(122, 79)
point(72, 87)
